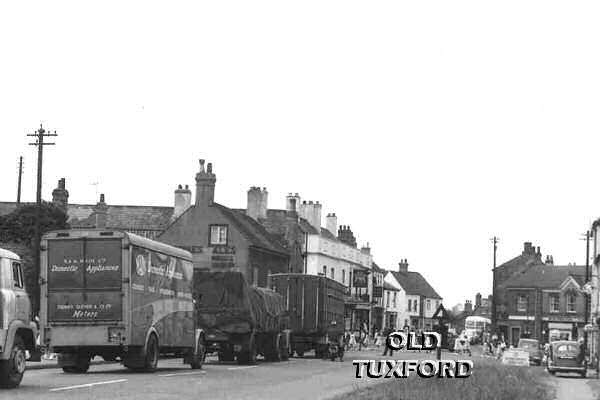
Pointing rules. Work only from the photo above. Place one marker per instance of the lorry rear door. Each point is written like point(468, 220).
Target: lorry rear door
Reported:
point(85, 280)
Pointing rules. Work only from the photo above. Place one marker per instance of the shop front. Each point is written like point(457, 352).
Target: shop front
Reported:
point(562, 329)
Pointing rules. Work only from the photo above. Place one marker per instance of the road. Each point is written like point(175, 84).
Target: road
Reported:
point(299, 378)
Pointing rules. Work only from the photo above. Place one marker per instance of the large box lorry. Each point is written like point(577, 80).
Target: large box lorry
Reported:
point(116, 295)
point(313, 302)
point(240, 321)
point(17, 330)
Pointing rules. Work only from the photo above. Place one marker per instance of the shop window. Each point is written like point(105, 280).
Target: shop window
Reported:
point(554, 303)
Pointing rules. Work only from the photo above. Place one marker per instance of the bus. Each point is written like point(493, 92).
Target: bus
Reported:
point(475, 326)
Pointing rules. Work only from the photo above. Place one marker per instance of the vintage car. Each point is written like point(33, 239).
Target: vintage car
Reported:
point(534, 348)
point(566, 356)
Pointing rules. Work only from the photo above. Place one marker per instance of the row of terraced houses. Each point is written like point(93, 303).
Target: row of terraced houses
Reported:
point(259, 241)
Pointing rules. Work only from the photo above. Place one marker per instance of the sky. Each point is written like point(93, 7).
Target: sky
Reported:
point(428, 127)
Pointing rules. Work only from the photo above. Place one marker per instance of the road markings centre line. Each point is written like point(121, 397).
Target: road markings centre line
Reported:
point(88, 385)
point(184, 373)
point(246, 367)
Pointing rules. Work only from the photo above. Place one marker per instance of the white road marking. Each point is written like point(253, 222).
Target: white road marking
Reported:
point(246, 367)
point(88, 385)
point(185, 373)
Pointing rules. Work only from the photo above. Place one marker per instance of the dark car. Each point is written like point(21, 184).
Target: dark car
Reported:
point(566, 356)
point(534, 349)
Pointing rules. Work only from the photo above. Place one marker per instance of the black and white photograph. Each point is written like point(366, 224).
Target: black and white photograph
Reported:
point(320, 200)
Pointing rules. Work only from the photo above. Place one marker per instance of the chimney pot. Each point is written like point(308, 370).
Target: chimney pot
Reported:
point(179, 187)
point(187, 187)
point(102, 198)
point(209, 168)
point(296, 194)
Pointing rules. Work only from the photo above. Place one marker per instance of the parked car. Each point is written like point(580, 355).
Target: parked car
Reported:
point(534, 348)
point(566, 356)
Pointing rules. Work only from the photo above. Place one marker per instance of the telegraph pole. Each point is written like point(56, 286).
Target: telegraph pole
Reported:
point(587, 279)
point(40, 134)
point(20, 176)
point(494, 240)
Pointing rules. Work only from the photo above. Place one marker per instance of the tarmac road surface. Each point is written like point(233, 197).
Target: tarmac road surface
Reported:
point(298, 378)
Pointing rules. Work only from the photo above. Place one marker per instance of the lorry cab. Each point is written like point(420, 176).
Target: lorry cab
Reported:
point(17, 331)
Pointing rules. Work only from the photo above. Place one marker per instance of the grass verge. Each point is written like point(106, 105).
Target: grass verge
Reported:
point(490, 381)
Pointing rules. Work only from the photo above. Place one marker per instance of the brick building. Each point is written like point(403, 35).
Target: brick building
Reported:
point(221, 238)
point(543, 301)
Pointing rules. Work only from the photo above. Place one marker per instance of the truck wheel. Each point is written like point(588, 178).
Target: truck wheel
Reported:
point(82, 365)
point(249, 356)
point(299, 354)
point(198, 359)
point(12, 370)
point(283, 349)
point(152, 352)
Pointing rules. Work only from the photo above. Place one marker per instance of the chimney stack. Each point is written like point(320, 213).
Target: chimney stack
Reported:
point(331, 223)
point(253, 204)
point(311, 212)
point(60, 195)
point(205, 185)
point(403, 266)
point(183, 200)
point(528, 249)
point(101, 210)
point(263, 204)
point(366, 249)
point(468, 306)
point(292, 202)
point(549, 260)
point(477, 300)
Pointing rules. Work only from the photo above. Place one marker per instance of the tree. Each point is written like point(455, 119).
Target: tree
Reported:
point(19, 227)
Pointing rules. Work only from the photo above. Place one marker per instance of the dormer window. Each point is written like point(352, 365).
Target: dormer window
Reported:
point(571, 302)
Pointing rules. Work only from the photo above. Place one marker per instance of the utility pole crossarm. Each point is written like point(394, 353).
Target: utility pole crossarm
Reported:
point(40, 134)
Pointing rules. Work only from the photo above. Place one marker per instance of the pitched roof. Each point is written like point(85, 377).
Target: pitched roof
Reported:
point(546, 276)
point(118, 216)
point(328, 235)
point(377, 268)
point(414, 283)
point(256, 234)
point(124, 217)
point(389, 286)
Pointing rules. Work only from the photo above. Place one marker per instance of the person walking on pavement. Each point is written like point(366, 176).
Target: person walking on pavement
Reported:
point(386, 332)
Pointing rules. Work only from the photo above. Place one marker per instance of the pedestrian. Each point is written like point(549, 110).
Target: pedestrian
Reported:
point(378, 339)
point(352, 341)
point(386, 333)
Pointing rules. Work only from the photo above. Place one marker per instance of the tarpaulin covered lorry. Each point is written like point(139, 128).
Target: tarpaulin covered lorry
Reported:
point(115, 294)
point(240, 321)
point(313, 302)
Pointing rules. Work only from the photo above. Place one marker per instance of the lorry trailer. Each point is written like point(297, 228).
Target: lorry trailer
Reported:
point(240, 321)
point(116, 295)
point(313, 302)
